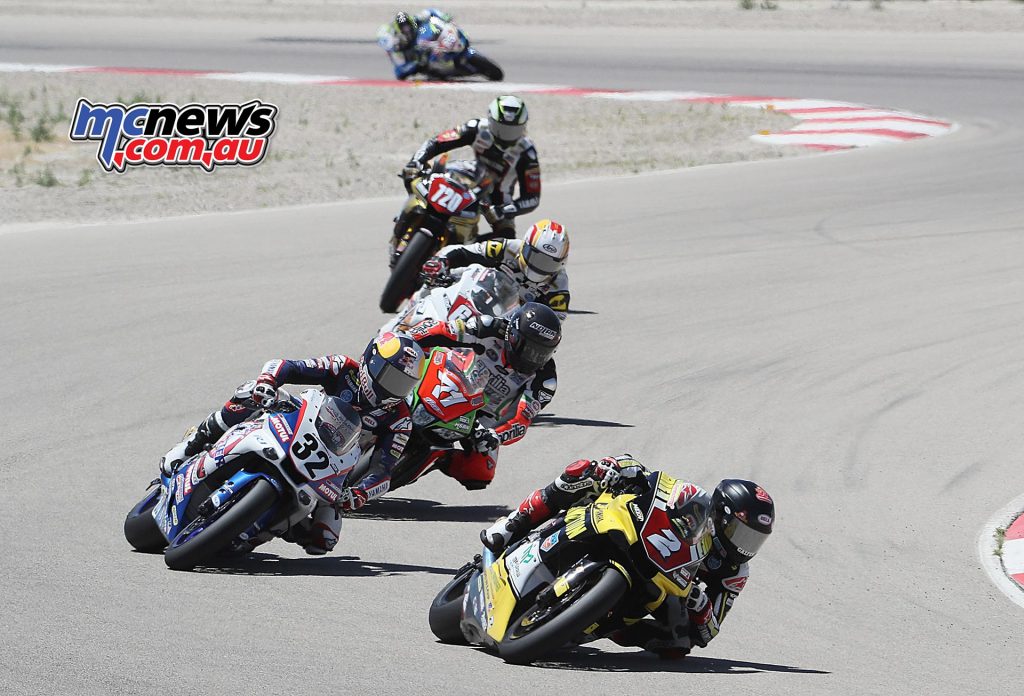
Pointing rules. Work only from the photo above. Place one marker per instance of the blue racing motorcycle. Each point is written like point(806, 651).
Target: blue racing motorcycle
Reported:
point(442, 51)
point(262, 477)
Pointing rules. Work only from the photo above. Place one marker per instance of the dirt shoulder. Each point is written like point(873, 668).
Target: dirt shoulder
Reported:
point(331, 143)
point(843, 15)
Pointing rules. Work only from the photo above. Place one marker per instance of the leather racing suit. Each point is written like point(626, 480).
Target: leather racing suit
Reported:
point(677, 624)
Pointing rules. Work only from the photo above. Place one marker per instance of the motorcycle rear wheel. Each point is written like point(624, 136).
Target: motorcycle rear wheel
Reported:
point(584, 610)
point(404, 276)
point(140, 529)
point(486, 67)
point(445, 613)
point(221, 528)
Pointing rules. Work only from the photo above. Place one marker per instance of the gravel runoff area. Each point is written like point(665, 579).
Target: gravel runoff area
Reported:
point(844, 15)
point(331, 143)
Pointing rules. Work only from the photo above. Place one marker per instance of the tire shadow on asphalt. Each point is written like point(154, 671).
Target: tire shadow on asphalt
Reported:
point(268, 564)
point(413, 510)
point(593, 660)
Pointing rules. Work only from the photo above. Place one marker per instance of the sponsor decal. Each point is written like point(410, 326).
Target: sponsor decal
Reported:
point(766, 520)
point(550, 248)
point(493, 249)
point(559, 301)
point(735, 584)
point(174, 516)
point(402, 425)
point(713, 561)
point(201, 135)
point(549, 542)
point(179, 485)
point(514, 433)
point(762, 494)
point(532, 181)
point(281, 428)
point(370, 422)
point(637, 512)
point(448, 136)
point(543, 330)
point(328, 492)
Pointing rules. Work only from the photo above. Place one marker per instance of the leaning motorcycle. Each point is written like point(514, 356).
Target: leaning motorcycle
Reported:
point(444, 407)
point(444, 207)
point(449, 54)
point(473, 291)
point(263, 476)
point(565, 581)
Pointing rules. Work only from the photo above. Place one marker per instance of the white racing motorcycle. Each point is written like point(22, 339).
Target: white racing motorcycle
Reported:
point(475, 290)
point(262, 477)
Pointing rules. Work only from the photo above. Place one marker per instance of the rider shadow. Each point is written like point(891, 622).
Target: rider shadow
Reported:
point(579, 311)
point(593, 660)
point(411, 510)
point(268, 564)
point(549, 419)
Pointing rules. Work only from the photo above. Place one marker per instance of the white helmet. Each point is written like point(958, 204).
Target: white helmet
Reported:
point(545, 251)
point(506, 120)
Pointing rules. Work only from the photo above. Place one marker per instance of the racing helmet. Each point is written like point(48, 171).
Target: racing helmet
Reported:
point(391, 367)
point(544, 253)
point(338, 425)
point(689, 510)
point(405, 29)
point(506, 120)
point(744, 514)
point(532, 337)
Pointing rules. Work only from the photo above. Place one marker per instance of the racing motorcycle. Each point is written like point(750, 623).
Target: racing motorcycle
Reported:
point(448, 53)
point(566, 580)
point(262, 476)
point(444, 407)
point(476, 290)
point(444, 207)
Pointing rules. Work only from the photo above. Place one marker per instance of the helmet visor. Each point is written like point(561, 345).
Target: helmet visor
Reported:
point(748, 541)
point(505, 133)
point(540, 263)
point(389, 381)
point(529, 357)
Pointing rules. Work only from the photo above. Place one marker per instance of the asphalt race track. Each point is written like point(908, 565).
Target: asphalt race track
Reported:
point(845, 329)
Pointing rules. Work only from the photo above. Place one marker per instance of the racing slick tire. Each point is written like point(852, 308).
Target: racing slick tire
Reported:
point(486, 67)
point(445, 613)
point(140, 529)
point(584, 609)
point(405, 275)
point(204, 537)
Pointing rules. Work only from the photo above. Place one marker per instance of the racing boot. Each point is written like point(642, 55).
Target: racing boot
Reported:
point(196, 439)
point(499, 535)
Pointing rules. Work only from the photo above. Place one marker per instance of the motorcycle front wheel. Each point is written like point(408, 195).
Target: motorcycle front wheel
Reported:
point(140, 529)
point(539, 630)
point(204, 537)
point(405, 275)
point(445, 613)
point(486, 67)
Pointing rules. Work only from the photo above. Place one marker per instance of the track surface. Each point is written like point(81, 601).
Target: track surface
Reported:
point(845, 329)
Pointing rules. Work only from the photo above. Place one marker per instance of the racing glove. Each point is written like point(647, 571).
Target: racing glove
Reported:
point(411, 170)
point(699, 611)
point(264, 392)
point(436, 271)
point(485, 439)
point(352, 499)
point(485, 326)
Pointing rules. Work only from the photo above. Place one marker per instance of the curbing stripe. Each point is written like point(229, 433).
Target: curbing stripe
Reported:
point(825, 125)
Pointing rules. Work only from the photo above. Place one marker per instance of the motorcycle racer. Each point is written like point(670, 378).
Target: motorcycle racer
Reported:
point(536, 262)
point(742, 512)
point(408, 56)
point(500, 143)
point(517, 355)
point(375, 386)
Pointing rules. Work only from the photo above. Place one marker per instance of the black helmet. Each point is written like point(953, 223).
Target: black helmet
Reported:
point(406, 29)
point(532, 337)
point(744, 514)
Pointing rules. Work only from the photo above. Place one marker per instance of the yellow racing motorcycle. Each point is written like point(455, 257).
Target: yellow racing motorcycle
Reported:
point(578, 576)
